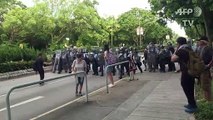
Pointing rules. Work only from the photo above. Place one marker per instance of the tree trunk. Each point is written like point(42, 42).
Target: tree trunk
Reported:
point(208, 18)
point(196, 28)
point(204, 28)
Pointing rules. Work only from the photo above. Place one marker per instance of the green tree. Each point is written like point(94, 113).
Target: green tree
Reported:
point(153, 30)
point(87, 27)
point(112, 27)
point(168, 9)
point(31, 25)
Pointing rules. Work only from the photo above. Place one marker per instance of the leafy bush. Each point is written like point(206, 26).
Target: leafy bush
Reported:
point(205, 111)
point(13, 66)
point(205, 108)
point(14, 53)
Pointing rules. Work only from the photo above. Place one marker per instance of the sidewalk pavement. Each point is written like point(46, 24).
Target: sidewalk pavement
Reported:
point(155, 96)
point(165, 102)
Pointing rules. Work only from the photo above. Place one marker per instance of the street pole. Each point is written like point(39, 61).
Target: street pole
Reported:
point(140, 40)
point(139, 32)
point(111, 38)
point(139, 23)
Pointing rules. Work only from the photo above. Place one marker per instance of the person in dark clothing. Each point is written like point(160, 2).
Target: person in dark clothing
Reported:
point(162, 59)
point(39, 66)
point(187, 81)
point(126, 65)
point(170, 63)
point(137, 60)
point(95, 64)
point(121, 58)
point(101, 62)
point(206, 53)
point(145, 59)
point(87, 60)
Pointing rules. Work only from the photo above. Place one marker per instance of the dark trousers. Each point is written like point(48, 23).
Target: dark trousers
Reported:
point(102, 70)
point(41, 73)
point(187, 83)
point(113, 70)
point(139, 66)
point(127, 68)
point(162, 66)
point(171, 66)
point(95, 68)
point(121, 70)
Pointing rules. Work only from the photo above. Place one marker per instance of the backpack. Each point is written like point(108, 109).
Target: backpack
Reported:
point(195, 65)
point(111, 58)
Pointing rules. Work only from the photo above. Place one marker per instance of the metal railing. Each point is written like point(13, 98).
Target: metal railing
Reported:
point(39, 82)
point(107, 67)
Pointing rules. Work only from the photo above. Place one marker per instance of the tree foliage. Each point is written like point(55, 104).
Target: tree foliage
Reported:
point(202, 25)
point(53, 23)
point(153, 30)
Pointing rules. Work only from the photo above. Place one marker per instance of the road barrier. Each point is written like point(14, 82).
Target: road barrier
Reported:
point(107, 67)
point(38, 82)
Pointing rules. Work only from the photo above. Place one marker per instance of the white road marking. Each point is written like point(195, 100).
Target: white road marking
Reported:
point(24, 102)
point(98, 90)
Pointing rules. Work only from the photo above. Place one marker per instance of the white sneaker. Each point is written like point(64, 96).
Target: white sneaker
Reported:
point(111, 85)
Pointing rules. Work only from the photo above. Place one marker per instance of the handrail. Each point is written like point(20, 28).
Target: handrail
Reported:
point(38, 82)
point(106, 68)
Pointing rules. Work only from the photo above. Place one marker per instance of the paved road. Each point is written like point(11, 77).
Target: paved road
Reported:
point(155, 96)
point(29, 102)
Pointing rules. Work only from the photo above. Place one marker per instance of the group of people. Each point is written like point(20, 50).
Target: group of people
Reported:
point(182, 55)
point(74, 60)
point(157, 56)
point(66, 60)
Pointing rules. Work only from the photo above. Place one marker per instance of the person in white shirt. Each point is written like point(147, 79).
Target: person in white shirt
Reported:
point(79, 65)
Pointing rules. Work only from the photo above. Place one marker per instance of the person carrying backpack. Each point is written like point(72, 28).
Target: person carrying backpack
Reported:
point(187, 80)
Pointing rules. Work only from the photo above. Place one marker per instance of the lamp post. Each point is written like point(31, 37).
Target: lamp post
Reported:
point(140, 32)
point(111, 32)
point(68, 39)
point(139, 29)
point(167, 37)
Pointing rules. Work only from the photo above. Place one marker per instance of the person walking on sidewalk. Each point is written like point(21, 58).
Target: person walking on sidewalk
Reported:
point(39, 63)
point(187, 81)
point(79, 65)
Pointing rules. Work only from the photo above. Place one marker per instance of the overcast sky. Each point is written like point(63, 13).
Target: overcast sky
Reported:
point(117, 7)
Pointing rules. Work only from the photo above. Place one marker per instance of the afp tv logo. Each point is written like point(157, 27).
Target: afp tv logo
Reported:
point(188, 15)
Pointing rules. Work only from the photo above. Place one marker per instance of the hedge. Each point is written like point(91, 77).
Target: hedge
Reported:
point(14, 53)
point(13, 66)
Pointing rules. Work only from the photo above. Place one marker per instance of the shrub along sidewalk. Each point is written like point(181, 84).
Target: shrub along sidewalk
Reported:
point(205, 108)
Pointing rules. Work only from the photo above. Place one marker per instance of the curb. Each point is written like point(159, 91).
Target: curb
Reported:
point(20, 73)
